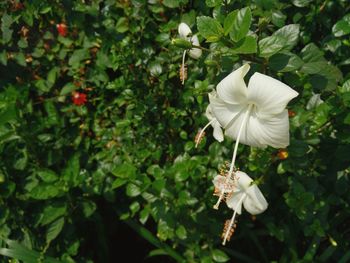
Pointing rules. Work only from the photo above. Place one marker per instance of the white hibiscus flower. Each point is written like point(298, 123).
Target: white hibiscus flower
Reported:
point(255, 115)
point(186, 33)
point(240, 191)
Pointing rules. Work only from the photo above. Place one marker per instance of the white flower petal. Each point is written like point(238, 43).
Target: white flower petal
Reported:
point(184, 30)
point(255, 203)
point(195, 52)
point(259, 132)
point(247, 136)
point(218, 133)
point(273, 131)
point(232, 201)
point(243, 180)
point(209, 112)
point(223, 112)
point(232, 89)
point(269, 95)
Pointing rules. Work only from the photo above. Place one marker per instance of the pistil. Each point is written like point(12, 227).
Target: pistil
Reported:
point(200, 135)
point(183, 68)
point(232, 166)
point(231, 224)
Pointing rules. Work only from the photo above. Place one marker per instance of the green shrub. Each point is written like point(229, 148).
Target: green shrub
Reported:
point(95, 127)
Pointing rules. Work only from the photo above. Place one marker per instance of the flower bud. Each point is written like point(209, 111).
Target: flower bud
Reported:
point(181, 43)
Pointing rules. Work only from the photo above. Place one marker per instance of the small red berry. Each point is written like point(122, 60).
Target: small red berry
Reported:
point(291, 113)
point(282, 154)
point(79, 98)
point(62, 29)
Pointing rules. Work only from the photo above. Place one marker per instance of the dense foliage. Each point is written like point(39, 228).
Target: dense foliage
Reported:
point(97, 129)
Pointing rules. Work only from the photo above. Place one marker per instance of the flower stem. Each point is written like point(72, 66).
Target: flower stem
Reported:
point(233, 218)
point(183, 67)
point(232, 166)
point(238, 138)
point(202, 48)
point(202, 131)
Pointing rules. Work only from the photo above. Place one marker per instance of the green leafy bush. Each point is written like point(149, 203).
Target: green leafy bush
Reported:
point(95, 127)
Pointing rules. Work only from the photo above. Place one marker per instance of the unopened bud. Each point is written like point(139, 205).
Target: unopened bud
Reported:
point(181, 43)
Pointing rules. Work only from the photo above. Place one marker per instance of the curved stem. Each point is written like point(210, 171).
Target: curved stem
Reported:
point(183, 67)
point(238, 138)
point(233, 218)
point(245, 118)
point(202, 48)
point(202, 131)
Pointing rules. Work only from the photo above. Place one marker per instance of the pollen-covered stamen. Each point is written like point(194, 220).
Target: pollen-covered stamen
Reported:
point(183, 73)
point(200, 135)
point(232, 221)
point(228, 229)
point(183, 69)
point(232, 166)
point(223, 188)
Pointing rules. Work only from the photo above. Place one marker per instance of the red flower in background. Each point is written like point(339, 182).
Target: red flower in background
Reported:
point(62, 29)
point(79, 98)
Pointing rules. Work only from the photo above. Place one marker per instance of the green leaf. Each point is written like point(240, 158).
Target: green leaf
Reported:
point(172, 3)
point(213, 3)
point(71, 172)
point(313, 67)
point(52, 115)
point(157, 252)
point(285, 62)
point(6, 22)
point(21, 59)
point(52, 76)
point(122, 25)
point(118, 183)
point(219, 256)
point(270, 45)
point(89, 208)
point(342, 27)
point(125, 170)
point(290, 34)
point(181, 232)
point(311, 53)
point(77, 57)
point(246, 45)
point(241, 24)
point(283, 39)
point(8, 113)
point(302, 3)
point(229, 21)
point(52, 212)
point(3, 58)
point(209, 28)
point(278, 18)
point(68, 89)
point(18, 251)
point(133, 190)
point(44, 191)
point(54, 229)
point(48, 176)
